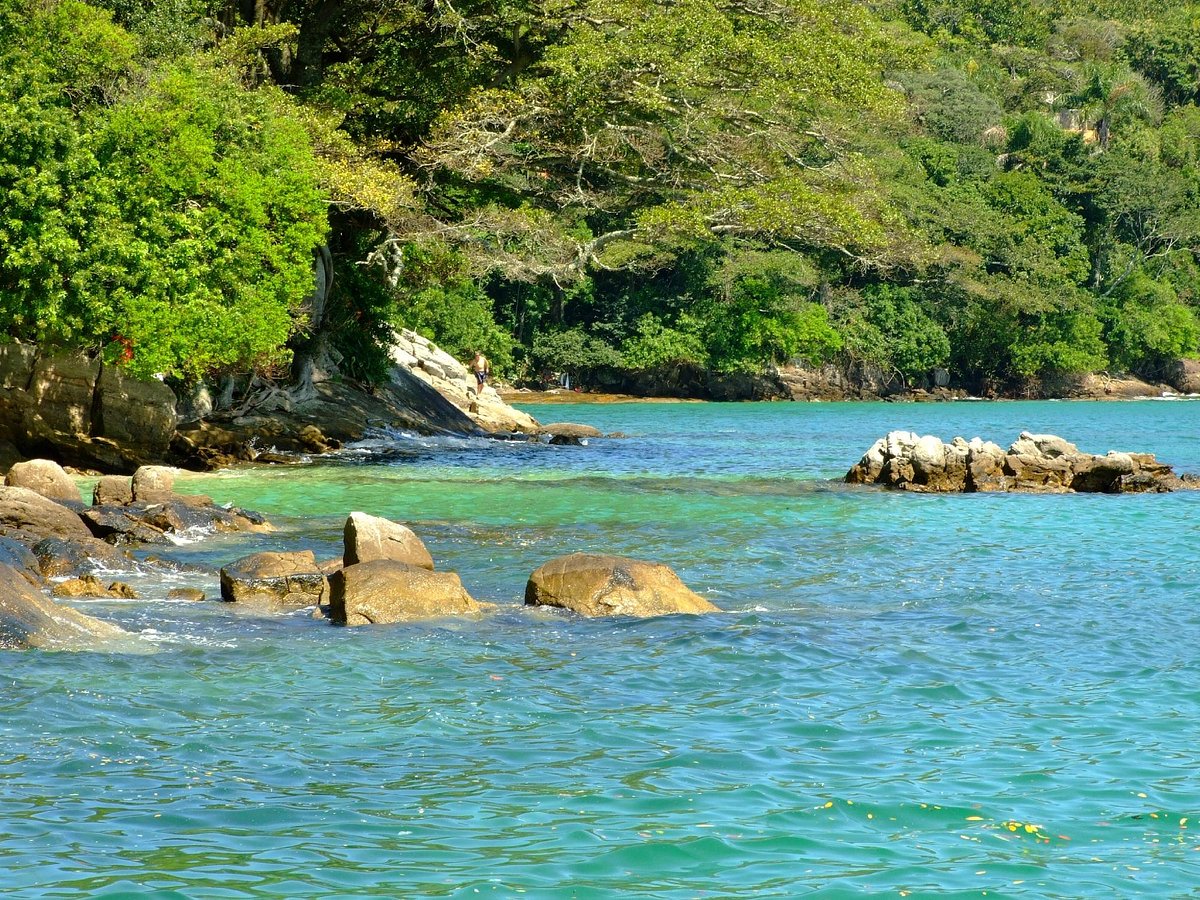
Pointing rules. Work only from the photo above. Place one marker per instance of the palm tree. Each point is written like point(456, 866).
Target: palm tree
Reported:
point(1111, 96)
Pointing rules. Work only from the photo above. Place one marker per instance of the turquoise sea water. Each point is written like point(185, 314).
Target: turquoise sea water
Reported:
point(907, 696)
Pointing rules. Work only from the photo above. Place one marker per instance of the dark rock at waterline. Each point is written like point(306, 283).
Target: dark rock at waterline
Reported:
point(29, 513)
point(119, 525)
point(368, 538)
point(274, 580)
point(59, 557)
point(1034, 463)
point(385, 591)
point(593, 584)
point(45, 477)
point(28, 619)
point(18, 557)
point(568, 433)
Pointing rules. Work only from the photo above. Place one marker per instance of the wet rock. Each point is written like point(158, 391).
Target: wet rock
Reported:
point(1034, 463)
point(593, 584)
point(369, 538)
point(28, 619)
point(112, 490)
point(18, 557)
point(120, 525)
point(43, 477)
point(384, 591)
point(58, 557)
point(275, 580)
point(91, 586)
point(23, 510)
point(188, 594)
point(568, 433)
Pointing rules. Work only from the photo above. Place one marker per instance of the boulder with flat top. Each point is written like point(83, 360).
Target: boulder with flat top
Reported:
point(277, 581)
point(384, 591)
point(369, 538)
point(594, 584)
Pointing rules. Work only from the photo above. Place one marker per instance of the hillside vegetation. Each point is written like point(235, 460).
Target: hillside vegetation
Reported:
point(1006, 189)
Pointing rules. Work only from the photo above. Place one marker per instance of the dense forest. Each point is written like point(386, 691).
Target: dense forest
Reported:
point(1005, 189)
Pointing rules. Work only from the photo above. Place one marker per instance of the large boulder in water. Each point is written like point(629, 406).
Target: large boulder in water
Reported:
point(1034, 463)
point(368, 538)
point(601, 585)
point(45, 477)
point(23, 510)
point(29, 619)
point(384, 591)
point(274, 580)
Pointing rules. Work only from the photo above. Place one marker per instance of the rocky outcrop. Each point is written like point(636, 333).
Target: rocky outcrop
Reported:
point(601, 585)
point(1034, 463)
point(81, 412)
point(277, 581)
point(450, 378)
point(28, 514)
point(384, 591)
point(152, 484)
point(28, 619)
point(1184, 376)
point(368, 538)
point(44, 477)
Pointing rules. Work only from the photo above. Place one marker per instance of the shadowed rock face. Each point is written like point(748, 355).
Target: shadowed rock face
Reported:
point(601, 585)
point(384, 591)
point(1034, 463)
point(28, 619)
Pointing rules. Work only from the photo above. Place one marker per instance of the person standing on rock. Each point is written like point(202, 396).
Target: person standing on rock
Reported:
point(482, 369)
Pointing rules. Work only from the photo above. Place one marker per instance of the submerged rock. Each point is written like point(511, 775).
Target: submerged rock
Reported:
point(28, 619)
point(601, 585)
point(385, 591)
point(1034, 463)
point(369, 538)
point(274, 580)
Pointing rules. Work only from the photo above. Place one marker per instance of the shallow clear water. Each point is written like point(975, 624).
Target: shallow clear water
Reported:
point(901, 684)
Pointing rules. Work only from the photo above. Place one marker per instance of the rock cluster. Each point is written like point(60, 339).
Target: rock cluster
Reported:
point(387, 575)
point(1034, 463)
point(47, 532)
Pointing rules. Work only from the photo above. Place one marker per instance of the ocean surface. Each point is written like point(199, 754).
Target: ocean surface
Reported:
point(951, 696)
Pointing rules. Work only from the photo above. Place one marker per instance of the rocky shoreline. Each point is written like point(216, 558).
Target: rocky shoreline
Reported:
point(53, 544)
point(1034, 463)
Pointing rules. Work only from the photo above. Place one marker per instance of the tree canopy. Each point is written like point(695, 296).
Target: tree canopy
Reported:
point(1003, 189)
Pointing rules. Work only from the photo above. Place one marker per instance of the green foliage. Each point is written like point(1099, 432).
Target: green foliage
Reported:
point(181, 217)
point(574, 351)
point(1146, 325)
point(1166, 50)
point(437, 299)
point(657, 346)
